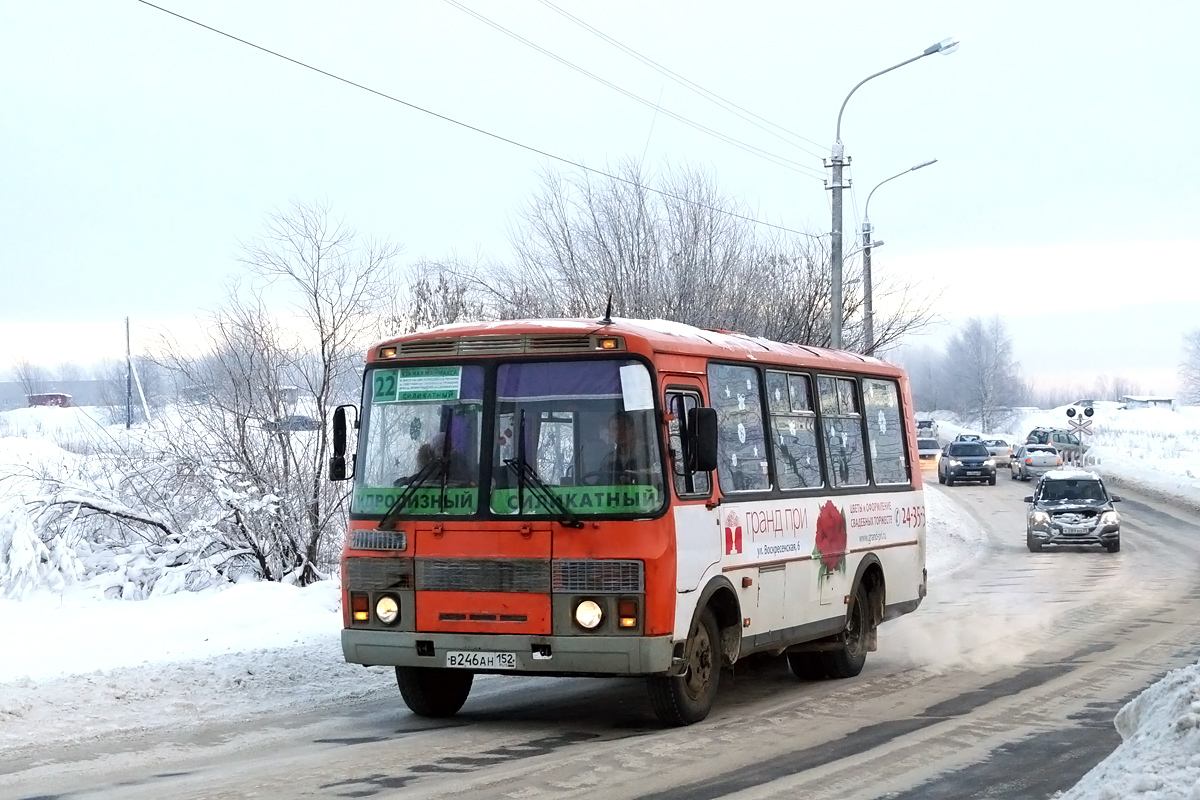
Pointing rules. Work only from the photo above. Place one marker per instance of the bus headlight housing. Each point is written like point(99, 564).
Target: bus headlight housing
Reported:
point(387, 610)
point(589, 614)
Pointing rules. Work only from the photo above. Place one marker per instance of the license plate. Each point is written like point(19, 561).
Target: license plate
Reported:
point(973, 472)
point(481, 660)
point(1075, 529)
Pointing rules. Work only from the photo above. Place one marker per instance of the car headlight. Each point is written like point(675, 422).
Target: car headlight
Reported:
point(588, 614)
point(1110, 518)
point(1039, 518)
point(387, 610)
point(991, 462)
point(955, 462)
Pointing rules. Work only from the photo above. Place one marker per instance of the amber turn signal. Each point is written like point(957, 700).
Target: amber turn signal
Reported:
point(360, 605)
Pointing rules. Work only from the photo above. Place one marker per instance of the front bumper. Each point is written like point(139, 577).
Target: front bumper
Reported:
point(963, 473)
point(536, 655)
point(1101, 534)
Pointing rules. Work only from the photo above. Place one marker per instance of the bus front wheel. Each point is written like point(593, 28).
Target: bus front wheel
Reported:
point(687, 698)
point(848, 660)
point(433, 691)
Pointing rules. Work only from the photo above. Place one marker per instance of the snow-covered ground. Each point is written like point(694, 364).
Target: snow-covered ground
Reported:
point(74, 665)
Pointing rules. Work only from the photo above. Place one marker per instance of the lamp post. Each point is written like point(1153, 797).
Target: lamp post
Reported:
point(868, 302)
point(837, 160)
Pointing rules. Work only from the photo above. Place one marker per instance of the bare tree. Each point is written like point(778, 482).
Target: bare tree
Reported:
point(239, 436)
point(32, 377)
point(980, 359)
point(684, 252)
point(437, 293)
point(1189, 370)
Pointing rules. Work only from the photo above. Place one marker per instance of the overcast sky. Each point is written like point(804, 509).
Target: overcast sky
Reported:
point(138, 150)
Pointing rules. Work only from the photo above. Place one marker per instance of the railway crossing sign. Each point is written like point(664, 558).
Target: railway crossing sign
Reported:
point(1081, 422)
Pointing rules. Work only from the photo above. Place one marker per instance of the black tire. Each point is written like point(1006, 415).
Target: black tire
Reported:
point(1012, 475)
point(434, 691)
point(806, 666)
point(941, 477)
point(992, 480)
point(849, 660)
point(949, 481)
point(1033, 545)
point(1113, 546)
point(687, 698)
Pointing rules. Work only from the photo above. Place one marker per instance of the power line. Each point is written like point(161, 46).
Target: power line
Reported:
point(778, 160)
point(713, 97)
point(469, 127)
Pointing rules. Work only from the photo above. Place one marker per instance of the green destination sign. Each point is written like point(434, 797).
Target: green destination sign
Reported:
point(583, 500)
point(415, 384)
point(426, 500)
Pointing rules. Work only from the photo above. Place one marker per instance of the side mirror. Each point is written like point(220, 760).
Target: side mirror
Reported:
point(1028, 498)
point(702, 425)
point(1116, 498)
point(337, 460)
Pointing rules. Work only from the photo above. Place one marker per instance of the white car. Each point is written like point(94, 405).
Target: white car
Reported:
point(928, 449)
point(1001, 450)
point(1034, 461)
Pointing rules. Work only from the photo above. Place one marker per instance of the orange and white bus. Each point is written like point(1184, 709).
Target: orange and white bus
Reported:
point(569, 497)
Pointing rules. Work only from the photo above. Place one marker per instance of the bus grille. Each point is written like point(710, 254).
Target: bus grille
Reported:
point(379, 573)
point(480, 575)
point(379, 540)
point(599, 576)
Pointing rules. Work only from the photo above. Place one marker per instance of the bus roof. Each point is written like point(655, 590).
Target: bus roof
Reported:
point(661, 336)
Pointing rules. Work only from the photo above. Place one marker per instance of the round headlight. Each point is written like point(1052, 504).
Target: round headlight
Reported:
point(588, 614)
point(387, 609)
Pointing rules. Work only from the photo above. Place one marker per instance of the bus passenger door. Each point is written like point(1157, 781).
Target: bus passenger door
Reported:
point(697, 527)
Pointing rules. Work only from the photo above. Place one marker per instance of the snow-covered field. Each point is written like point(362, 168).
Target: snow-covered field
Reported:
point(75, 665)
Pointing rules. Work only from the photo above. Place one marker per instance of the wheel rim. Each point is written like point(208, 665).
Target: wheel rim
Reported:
point(699, 671)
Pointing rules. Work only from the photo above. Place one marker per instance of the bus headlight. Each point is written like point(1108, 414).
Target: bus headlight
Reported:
point(387, 610)
point(588, 614)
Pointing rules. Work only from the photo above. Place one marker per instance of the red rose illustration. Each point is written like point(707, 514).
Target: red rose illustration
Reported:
point(831, 535)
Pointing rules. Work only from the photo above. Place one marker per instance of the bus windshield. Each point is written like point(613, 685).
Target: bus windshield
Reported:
point(420, 435)
point(585, 429)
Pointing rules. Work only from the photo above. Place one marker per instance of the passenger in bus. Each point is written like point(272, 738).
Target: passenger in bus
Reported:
point(454, 464)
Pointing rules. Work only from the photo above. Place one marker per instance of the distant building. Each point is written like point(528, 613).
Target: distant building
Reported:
point(1147, 401)
point(59, 399)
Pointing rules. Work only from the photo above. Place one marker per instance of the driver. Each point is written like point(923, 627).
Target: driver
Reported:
point(622, 464)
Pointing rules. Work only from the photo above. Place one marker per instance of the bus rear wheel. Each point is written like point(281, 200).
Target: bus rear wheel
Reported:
point(433, 691)
point(848, 660)
point(687, 698)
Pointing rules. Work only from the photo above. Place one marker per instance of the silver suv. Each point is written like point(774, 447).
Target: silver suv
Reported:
point(1072, 507)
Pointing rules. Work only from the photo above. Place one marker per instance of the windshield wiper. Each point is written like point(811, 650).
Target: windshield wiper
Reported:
point(526, 475)
point(390, 517)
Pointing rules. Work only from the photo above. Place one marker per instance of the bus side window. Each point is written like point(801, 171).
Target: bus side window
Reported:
point(741, 441)
point(841, 429)
point(687, 482)
point(885, 431)
point(793, 431)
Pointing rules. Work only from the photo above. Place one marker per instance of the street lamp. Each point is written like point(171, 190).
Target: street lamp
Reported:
point(836, 161)
point(868, 303)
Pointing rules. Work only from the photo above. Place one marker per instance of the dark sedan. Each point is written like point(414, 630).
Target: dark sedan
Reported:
point(966, 461)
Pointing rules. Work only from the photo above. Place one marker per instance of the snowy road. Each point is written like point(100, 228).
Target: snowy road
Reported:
point(1003, 685)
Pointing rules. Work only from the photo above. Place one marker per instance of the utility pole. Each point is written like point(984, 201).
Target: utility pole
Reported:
point(128, 379)
point(868, 300)
point(836, 161)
